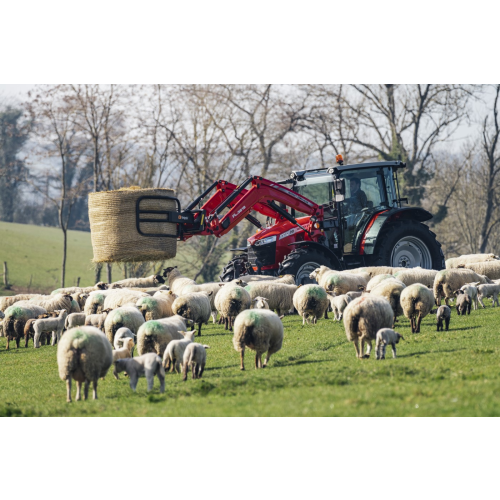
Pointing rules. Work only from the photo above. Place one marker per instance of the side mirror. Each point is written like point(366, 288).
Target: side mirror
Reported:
point(339, 186)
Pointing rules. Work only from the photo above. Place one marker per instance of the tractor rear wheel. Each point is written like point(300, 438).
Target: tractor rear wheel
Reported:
point(235, 268)
point(301, 263)
point(408, 243)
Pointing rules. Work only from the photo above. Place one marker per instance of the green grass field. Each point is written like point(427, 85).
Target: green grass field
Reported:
point(453, 373)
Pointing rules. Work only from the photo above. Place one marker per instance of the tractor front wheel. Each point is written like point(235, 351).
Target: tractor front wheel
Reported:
point(301, 263)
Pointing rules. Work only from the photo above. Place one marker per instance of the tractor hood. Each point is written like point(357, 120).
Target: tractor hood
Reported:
point(280, 231)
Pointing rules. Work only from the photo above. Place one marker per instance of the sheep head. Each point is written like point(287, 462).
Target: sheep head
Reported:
point(168, 270)
point(158, 278)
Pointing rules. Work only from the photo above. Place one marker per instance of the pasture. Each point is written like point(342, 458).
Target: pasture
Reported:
point(455, 373)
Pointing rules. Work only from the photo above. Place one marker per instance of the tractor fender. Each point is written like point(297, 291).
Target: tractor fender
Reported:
point(336, 264)
point(380, 221)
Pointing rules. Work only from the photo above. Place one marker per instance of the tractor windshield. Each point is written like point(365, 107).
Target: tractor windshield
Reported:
point(367, 191)
point(316, 188)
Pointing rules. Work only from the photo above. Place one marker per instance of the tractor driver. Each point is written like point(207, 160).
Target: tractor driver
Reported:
point(358, 199)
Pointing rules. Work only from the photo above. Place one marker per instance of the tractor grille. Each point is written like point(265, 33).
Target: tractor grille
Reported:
point(266, 254)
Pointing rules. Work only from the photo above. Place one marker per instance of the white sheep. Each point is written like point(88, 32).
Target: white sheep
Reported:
point(232, 300)
point(6, 302)
point(342, 283)
point(195, 356)
point(212, 288)
point(443, 315)
point(149, 282)
point(469, 259)
point(417, 302)
point(194, 306)
point(78, 289)
point(150, 291)
point(154, 336)
point(338, 303)
point(148, 365)
point(376, 270)
point(278, 295)
point(416, 275)
point(121, 297)
point(260, 330)
point(176, 280)
point(491, 269)
point(127, 351)
point(95, 302)
point(97, 320)
point(260, 303)
point(376, 280)
point(46, 325)
point(54, 303)
point(386, 336)
point(127, 316)
point(85, 355)
point(311, 302)
point(449, 280)
point(121, 336)
point(16, 317)
point(485, 291)
point(391, 290)
point(321, 273)
point(471, 290)
point(74, 319)
point(174, 353)
point(363, 318)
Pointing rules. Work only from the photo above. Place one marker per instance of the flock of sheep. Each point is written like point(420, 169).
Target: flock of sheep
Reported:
point(100, 326)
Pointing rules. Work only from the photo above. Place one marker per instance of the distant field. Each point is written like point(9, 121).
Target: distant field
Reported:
point(37, 251)
point(316, 373)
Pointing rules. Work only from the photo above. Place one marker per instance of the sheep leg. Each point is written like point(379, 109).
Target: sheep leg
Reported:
point(133, 381)
point(393, 350)
point(214, 317)
point(150, 377)
point(68, 389)
point(18, 341)
point(368, 349)
point(326, 313)
point(193, 371)
point(53, 343)
point(266, 361)
point(242, 359)
point(481, 302)
point(184, 372)
point(199, 329)
point(226, 323)
point(419, 319)
point(361, 348)
point(201, 368)
point(356, 347)
point(78, 391)
point(447, 321)
point(161, 378)
point(86, 390)
point(94, 388)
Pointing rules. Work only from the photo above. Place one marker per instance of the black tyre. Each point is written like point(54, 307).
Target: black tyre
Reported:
point(235, 268)
point(408, 243)
point(301, 263)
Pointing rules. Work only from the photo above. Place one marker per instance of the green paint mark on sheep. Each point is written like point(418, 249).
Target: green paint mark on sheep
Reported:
point(154, 327)
point(317, 292)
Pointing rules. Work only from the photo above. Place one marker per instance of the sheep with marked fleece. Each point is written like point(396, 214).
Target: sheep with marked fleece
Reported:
point(174, 353)
point(95, 302)
point(311, 302)
point(463, 260)
point(417, 302)
point(149, 282)
point(6, 302)
point(16, 317)
point(321, 273)
point(83, 354)
point(449, 280)
point(342, 283)
point(53, 302)
point(176, 281)
point(154, 336)
point(122, 317)
point(231, 301)
point(279, 296)
point(414, 275)
point(157, 307)
point(260, 330)
point(195, 356)
point(363, 318)
point(194, 306)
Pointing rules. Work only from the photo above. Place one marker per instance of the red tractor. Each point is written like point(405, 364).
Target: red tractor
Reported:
point(343, 217)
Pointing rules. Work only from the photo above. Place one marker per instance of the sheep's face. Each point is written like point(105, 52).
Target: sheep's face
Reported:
point(158, 279)
point(167, 271)
point(398, 337)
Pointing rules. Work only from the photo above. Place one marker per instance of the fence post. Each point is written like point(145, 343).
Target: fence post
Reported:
point(6, 276)
point(78, 281)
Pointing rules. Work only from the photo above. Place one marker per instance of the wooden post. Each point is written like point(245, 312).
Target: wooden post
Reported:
point(6, 276)
point(29, 285)
point(78, 281)
point(109, 266)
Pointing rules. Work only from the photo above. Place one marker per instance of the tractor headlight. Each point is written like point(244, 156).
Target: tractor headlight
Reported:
point(266, 241)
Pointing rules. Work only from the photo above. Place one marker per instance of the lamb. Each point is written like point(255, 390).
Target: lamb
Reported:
point(97, 320)
point(54, 325)
point(121, 337)
point(118, 298)
point(176, 281)
point(491, 269)
point(469, 259)
point(463, 303)
point(363, 318)
point(157, 307)
point(471, 290)
point(54, 303)
point(342, 283)
point(387, 336)
point(127, 351)
point(30, 332)
point(443, 314)
point(154, 336)
point(391, 290)
point(279, 296)
point(194, 306)
point(260, 330)
point(417, 302)
point(449, 280)
point(149, 282)
point(148, 365)
point(338, 303)
point(195, 355)
point(376, 280)
point(416, 275)
point(6, 302)
point(354, 295)
point(260, 303)
point(231, 301)
point(75, 319)
point(128, 317)
point(484, 291)
point(16, 317)
point(174, 353)
point(311, 302)
point(83, 354)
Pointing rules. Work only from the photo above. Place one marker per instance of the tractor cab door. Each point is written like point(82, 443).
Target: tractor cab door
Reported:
point(368, 191)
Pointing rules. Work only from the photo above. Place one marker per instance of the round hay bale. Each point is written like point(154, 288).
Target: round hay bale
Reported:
point(113, 226)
